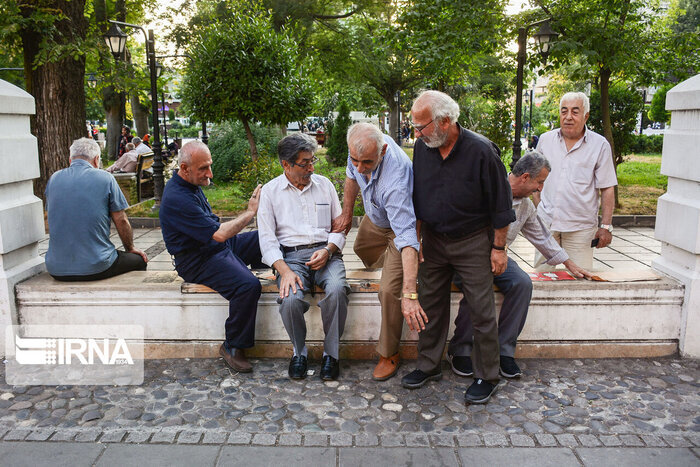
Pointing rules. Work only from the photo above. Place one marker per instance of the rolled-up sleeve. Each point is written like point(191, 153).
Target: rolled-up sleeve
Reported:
point(336, 238)
point(398, 202)
point(499, 195)
point(539, 235)
point(269, 246)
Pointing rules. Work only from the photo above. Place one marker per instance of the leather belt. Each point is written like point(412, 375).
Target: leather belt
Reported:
point(289, 249)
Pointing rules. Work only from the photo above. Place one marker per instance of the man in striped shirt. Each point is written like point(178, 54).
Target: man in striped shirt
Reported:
point(386, 238)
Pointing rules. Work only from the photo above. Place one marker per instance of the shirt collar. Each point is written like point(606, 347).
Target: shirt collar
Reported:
point(287, 184)
point(585, 134)
point(81, 162)
point(184, 183)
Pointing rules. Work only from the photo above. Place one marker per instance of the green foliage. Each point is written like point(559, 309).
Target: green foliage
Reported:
point(337, 176)
point(259, 171)
point(488, 117)
point(171, 115)
point(242, 69)
point(338, 146)
point(647, 144)
point(230, 150)
point(657, 110)
point(625, 105)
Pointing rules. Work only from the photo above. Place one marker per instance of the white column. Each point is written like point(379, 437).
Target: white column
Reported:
point(678, 210)
point(21, 213)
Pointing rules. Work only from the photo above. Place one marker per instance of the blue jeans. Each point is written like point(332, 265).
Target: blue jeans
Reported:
point(334, 306)
point(516, 286)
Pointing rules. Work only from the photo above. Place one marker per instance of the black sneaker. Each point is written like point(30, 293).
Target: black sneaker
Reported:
point(461, 366)
point(297, 367)
point(480, 392)
point(417, 378)
point(509, 368)
point(330, 368)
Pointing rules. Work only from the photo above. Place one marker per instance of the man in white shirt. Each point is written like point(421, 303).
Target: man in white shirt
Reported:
point(528, 176)
point(294, 225)
point(582, 166)
point(127, 163)
point(141, 147)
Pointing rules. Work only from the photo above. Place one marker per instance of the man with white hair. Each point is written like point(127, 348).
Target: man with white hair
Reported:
point(211, 252)
point(379, 168)
point(582, 177)
point(463, 206)
point(141, 147)
point(81, 201)
point(127, 163)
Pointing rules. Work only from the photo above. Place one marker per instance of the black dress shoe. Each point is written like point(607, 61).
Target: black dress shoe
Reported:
point(330, 368)
point(297, 367)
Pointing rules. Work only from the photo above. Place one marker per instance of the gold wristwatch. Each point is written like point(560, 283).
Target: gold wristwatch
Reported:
point(410, 296)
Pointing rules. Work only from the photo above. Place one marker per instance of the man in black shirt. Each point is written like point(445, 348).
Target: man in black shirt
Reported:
point(463, 205)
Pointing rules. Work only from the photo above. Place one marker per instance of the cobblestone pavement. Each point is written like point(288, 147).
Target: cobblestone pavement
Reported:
point(557, 403)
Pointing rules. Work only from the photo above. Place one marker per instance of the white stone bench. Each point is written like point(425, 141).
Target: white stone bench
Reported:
point(567, 319)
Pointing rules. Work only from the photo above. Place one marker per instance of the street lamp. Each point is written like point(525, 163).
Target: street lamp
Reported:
point(543, 39)
point(92, 80)
point(397, 99)
point(116, 41)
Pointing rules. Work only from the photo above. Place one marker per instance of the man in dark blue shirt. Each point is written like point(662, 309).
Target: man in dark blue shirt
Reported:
point(212, 253)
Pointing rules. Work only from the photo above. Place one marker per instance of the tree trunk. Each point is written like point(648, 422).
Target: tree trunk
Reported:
point(251, 139)
point(140, 113)
point(111, 101)
point(393, 118)
point(58, 92)
point(605, 114)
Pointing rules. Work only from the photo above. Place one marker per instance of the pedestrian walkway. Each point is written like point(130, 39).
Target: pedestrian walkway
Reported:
point(631, 248)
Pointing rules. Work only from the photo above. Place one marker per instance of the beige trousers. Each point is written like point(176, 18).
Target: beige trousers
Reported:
point(375, 247)
point(576, 244)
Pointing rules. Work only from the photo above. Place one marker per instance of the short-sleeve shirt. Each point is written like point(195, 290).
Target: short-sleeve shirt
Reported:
point(80, 200)
point(570, 198)
point(187, 221)
point(465, 192)
point(388, 194)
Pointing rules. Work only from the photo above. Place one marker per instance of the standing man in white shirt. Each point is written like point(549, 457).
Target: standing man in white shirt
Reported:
point(294, 225)
point(582, 176)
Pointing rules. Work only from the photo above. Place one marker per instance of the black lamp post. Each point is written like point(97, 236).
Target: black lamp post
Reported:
point(543, 38)
point(397, 99)
point(116, 41)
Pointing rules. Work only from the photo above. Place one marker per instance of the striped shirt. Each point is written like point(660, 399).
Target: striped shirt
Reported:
point(388, 195)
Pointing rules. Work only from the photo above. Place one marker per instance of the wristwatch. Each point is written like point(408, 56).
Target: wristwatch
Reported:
point(607, 227)
point(410, 296)
point(500, 248)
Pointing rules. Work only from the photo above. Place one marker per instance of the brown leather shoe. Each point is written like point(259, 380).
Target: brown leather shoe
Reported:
point(386, 368)
point(237, 361)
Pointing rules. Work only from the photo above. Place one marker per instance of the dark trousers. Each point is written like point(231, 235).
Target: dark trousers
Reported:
point(125, 262)
point(469, 257)
point(227, 273)
point(516, 286)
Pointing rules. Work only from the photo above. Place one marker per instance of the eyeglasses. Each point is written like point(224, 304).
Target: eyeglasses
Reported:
point(306, 164)
point(420, 128)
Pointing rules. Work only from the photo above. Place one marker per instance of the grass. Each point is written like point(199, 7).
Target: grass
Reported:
point(639, 178)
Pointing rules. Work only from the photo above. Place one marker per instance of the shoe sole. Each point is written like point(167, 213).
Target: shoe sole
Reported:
point(484, 399)
point(298, 377)
point(455, 370)
point(507, 375)
point(436, 377)
point(235, 368)
point(329, 378)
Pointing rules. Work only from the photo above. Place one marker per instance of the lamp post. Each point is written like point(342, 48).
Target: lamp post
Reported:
point(543, 38)
point(116, 41)
point(397, 99)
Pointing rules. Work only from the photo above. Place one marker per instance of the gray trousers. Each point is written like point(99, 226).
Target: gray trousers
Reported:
point(334, 306)
point(516, 286)
point(469, 257)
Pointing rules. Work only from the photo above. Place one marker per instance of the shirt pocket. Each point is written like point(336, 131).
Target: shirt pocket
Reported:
point(581, 174)
point(323, 216)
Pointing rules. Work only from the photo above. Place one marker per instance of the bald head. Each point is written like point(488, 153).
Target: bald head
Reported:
point(195, 163)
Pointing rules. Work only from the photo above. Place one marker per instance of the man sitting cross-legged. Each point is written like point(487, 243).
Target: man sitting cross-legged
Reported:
point(294, 224)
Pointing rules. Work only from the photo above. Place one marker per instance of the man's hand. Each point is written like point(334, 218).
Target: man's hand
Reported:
point(289, 279)
point(605, 237)
point(576, 270)
point(318, 259)
point(413, 314)
point(140, 253)
point(499, 261)
point(342, 223)
point(254, 200)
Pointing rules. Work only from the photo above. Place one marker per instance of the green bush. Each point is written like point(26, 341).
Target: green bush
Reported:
point(338, 145)
point(230, 150)
point(337, 176)
point(258, 172)
point(647, 144)
point(189, 132)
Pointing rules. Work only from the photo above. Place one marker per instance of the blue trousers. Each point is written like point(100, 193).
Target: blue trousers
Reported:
point(227, 273)
point(516, 286)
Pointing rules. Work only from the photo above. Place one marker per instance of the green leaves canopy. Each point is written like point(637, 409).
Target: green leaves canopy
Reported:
point(244, 70)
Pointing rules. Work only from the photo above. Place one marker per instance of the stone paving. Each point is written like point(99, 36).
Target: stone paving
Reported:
point(557, 403)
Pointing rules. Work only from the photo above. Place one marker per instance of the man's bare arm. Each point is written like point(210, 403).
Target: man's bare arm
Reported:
point(499, 258)
point(343, 223)
point(232, 227)
point(412, 311)
point(607, 206)
point(126, 235)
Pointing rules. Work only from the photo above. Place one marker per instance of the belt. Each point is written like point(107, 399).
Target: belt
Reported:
point(458, 235)
point(288, 249)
